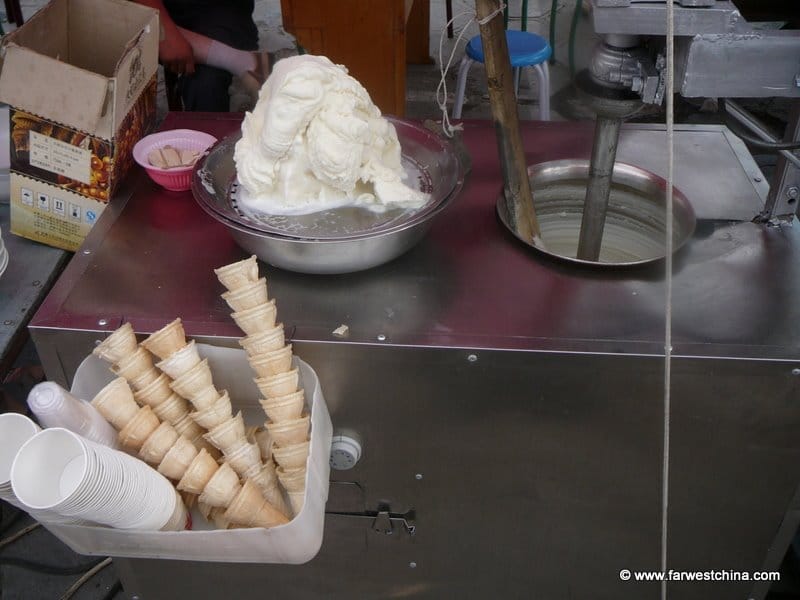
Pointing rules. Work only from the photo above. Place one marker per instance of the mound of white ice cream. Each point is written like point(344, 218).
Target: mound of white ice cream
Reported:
point(315, 141)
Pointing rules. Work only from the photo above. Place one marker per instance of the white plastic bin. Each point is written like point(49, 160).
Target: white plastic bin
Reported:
point(296, 542)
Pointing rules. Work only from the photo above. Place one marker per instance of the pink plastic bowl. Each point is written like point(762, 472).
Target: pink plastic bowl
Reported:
point(180, 178)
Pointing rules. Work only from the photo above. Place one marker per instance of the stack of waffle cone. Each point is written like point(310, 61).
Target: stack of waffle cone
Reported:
point(195, 472)
point(163, 431)
point(192, 379)
point(152, 387)
point(269, 355)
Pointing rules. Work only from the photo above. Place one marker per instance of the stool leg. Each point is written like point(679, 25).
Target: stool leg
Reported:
point(448, 7)
point(543, 74)
point(461, 85)
point(517, 71)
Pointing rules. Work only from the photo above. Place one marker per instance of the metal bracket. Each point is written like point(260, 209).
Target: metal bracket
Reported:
point(384, 521)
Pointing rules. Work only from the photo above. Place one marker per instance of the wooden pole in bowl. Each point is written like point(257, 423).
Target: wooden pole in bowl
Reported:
point(500, 81)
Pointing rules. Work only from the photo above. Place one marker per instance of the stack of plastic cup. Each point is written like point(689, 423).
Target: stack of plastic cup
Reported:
point(61, 472)
point(56, 407)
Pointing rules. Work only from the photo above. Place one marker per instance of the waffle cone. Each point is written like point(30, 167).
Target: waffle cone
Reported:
point(155, 392)
point(201, 443)
point(172, 410)
point(198, 474)
point(267, 482)
point(293, 480)
point(292, 457)
point(247, 296)
point(166, 340)
point(238, 274)
point(157, 445)
point(221, 488)
point(243, 457)
point(216, 414)
point(228, 434)
point(265, 341)
point(249, 508)
point(263, 438)
point(116, 403)
point(272, 362)
point(187, 427)
point(258, 318)
point(194, 381)
point(284, 408)
point(177, 459)
point(281, 384)
point(139, 428)
point(205, 397)
point(132, 365)
point(296, 500)
point(180, 361)
point(287, 433)
point(119, 344)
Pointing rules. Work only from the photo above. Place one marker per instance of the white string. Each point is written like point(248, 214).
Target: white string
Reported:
point(441, 90)
point(491, 15)
point(670, 90)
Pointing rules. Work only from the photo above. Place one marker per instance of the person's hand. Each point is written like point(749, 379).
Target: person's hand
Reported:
point(175, 53)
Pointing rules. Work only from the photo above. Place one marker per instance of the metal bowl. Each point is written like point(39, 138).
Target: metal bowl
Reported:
point(635, 230)
point(340, 240)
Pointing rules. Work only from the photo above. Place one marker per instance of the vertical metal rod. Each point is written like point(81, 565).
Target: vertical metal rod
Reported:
point(598, 188)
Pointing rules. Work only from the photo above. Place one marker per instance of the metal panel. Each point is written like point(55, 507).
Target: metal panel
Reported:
point(607, 3)
point(540, 477)
point(651, 19)
point(765, 65)
point(733, 437)
point(534, 479)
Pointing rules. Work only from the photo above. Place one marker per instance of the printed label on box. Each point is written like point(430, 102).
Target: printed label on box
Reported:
point(45, 213)
point(43, 202)
point(60, 157)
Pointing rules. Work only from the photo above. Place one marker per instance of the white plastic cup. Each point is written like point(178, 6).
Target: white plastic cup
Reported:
point(15, 430)
point(59, 471)
point(56, 407)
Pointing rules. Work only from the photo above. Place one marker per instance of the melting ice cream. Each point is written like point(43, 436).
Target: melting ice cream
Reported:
point(315, 141)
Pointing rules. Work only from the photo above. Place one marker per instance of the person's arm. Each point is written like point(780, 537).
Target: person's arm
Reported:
point(174, 51)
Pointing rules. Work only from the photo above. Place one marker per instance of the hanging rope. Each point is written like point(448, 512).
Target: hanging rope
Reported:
point(441, 90)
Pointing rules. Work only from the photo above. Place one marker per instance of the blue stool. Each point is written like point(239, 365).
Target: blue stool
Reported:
point(525, 49)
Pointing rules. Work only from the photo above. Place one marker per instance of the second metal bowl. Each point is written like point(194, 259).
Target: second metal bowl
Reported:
point(635, 228)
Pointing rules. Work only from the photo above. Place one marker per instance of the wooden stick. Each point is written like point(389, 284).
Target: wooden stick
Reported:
point(500, 81)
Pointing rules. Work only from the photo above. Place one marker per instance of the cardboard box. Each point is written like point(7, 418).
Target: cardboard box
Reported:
point(80, 78)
